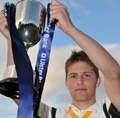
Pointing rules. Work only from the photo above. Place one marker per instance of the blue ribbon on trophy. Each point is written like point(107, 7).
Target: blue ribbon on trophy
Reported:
point(43, 58)
point(23, 64)
point(23, 67)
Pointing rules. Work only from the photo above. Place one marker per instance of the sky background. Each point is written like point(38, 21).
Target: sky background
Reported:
point(100, 19)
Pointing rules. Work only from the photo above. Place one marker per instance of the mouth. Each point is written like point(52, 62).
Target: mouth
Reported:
point(80, 89)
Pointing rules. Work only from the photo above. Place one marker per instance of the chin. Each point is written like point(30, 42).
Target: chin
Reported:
point(81, 99)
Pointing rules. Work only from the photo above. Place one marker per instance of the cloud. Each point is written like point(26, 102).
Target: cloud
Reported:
point(8, 109)
point(80, 7)
point(114, 50)
point(3, 55)
point(74, 4)
point(2, 2)
point(112, 3)
point(84, 11)
point(109, 1)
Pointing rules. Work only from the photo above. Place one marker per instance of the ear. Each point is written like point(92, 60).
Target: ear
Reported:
point(66, 83)
point(99, 80)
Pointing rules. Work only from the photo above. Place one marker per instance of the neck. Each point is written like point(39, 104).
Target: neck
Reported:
point(82, 105)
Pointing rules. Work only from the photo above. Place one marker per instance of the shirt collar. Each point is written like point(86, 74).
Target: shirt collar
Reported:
point(78, 112)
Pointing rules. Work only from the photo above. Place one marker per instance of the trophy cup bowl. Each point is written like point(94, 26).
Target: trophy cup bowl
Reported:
point(30, 23)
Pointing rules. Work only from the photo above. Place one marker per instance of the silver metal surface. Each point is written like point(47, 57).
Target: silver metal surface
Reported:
point(30, 21)
point(10, 72)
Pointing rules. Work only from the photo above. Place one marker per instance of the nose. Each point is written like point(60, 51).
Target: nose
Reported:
point(80, 80)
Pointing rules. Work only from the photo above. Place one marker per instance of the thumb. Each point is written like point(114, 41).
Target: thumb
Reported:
point(54, 1)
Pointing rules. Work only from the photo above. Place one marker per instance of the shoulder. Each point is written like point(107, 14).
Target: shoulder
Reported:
point(45, 111)
point(97, 109)
point(110, 110)
point(60, 112)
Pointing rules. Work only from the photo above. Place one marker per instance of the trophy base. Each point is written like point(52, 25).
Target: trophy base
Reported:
point(9, 88)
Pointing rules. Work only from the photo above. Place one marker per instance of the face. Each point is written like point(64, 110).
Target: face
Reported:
point(81, 82)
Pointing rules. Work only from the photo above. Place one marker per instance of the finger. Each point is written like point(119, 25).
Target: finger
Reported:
point(54, 13)
point(58, 6)
point(58, 11)
point(3, 22)
point(55, 2)
point(2, 18)
point(1, 11)
point(54, 16)
point(2, 14)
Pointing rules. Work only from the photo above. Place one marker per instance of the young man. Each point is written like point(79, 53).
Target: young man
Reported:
point(82, 76)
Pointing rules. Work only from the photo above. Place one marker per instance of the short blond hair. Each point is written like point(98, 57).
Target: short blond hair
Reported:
point(80, 56)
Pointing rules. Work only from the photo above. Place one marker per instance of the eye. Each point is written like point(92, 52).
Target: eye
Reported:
point(73, 76)
point(87, 75)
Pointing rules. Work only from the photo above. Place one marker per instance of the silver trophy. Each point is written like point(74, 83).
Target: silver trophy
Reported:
point(30, 23)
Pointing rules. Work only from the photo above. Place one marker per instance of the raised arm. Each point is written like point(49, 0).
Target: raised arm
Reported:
point(4, 30)
point(98, 55)
point(103, 61)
